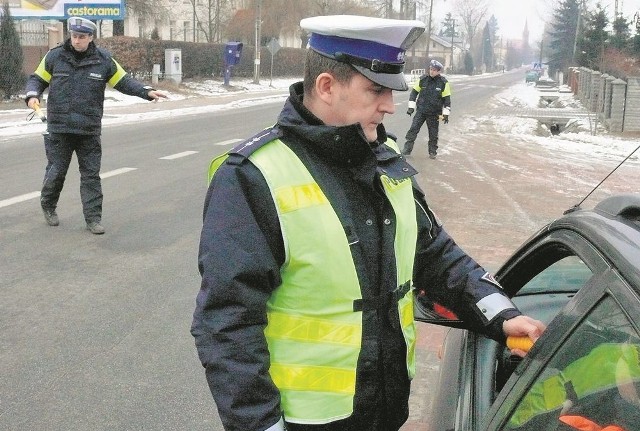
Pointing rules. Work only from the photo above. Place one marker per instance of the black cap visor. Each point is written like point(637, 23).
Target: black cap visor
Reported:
point(394, 81)
point(389, 75)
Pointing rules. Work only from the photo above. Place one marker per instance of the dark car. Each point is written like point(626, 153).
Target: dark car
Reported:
point(580, 274)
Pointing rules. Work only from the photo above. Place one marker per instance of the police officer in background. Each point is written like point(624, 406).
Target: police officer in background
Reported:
point(314, 234)
point(76, 74)
point(433, 94)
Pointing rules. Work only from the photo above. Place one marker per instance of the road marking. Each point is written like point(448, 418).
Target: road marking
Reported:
point(178, 155)
point(227, 142)
point(33, 195)
point(116, 172)
point(18, 199)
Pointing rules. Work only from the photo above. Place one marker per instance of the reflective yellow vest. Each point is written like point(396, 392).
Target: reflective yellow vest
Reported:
point(313, 333)
point(606, 367)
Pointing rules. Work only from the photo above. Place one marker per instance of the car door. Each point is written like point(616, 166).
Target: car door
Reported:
point(585, 365)
point(545, 276)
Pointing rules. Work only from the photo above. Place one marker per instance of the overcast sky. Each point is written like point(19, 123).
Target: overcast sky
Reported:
point(512, 14)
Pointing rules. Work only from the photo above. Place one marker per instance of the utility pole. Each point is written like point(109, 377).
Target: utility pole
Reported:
point(429, 29)
point(415, 16)
point(581, 8)
point(193, 2)
point(541, 45)
point(453, 33)
point(256, 61)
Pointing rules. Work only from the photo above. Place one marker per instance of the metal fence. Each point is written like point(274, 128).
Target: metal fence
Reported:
point(33, 32)
point(37, 37)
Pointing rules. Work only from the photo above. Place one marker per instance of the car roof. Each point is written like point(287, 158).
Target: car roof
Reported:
point(613, 228)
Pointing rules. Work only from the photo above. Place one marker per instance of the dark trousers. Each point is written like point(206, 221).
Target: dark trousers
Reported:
point(432, 126)
point(371, 424)
point(59, 148)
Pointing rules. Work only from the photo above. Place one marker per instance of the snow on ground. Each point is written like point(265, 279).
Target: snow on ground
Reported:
point(581, 140)
point(16, 122)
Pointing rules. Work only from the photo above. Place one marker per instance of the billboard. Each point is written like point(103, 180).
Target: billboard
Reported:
point(63, 9)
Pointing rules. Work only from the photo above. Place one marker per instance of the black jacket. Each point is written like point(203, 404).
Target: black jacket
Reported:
point(429, 93)
point(241, 253)
point(76, 87)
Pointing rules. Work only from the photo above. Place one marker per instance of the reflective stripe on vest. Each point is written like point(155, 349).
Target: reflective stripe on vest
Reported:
point(314, 334)
point(608, 366)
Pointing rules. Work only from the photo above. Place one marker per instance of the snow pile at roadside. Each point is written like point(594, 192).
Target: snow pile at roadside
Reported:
point(579, 136)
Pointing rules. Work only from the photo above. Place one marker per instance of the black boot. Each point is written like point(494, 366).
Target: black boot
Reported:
point(408, 147)
point(51, 217)
point(95, 227)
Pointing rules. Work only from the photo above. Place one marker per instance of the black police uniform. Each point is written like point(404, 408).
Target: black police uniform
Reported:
point(428, 109)
point(242, 252)
point(76, 82)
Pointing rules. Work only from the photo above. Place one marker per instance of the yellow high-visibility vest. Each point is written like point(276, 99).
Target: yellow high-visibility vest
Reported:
point(313, 333)
point(608, 366)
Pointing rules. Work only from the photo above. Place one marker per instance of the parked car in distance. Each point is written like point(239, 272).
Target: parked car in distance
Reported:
point(531, 76)
point(580, 275)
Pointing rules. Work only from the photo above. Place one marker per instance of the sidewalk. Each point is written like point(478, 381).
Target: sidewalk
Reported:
point(192, 98)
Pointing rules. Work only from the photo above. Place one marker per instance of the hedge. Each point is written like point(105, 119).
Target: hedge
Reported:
point(199, 60)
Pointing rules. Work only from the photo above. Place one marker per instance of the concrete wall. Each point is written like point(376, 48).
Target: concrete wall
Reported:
point(615, 101)
point(632, 105)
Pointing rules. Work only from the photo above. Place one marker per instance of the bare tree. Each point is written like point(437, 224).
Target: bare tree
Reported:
point(279, 16)
point(472, 13)
point(152, 10)
point(211, 16)
point(381, 8)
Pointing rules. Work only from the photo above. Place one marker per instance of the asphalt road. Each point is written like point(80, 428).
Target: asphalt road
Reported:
point(94, 330)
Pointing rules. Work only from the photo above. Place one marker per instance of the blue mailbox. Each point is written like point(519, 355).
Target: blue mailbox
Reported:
point(232, 52)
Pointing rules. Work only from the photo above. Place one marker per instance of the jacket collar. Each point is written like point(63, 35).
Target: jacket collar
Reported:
point(342, 145)
point(91, 49)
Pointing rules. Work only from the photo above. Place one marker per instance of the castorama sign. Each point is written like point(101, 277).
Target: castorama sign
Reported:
point(63, 9)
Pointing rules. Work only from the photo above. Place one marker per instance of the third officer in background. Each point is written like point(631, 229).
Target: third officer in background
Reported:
point(433, 94)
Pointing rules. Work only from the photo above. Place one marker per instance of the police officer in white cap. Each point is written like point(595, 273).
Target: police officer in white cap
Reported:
point(312, 240)
point(430, 98)
point(76, 74)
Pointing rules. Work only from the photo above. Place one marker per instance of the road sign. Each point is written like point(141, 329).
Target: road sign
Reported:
point(273, 46)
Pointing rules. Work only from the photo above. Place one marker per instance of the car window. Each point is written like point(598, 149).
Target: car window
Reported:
point(593, 378)
point(550, 290)
point(566, 275)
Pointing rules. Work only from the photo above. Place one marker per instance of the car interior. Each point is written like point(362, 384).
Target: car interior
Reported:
point(542, 298)
point(594, 377)
point(591, 370)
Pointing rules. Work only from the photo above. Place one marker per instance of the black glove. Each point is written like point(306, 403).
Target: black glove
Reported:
point(410, 111)
point(445, 118)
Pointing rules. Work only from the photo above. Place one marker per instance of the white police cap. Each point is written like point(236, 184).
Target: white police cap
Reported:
point(81, 25)
point(435, 64)
point(373, 46)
